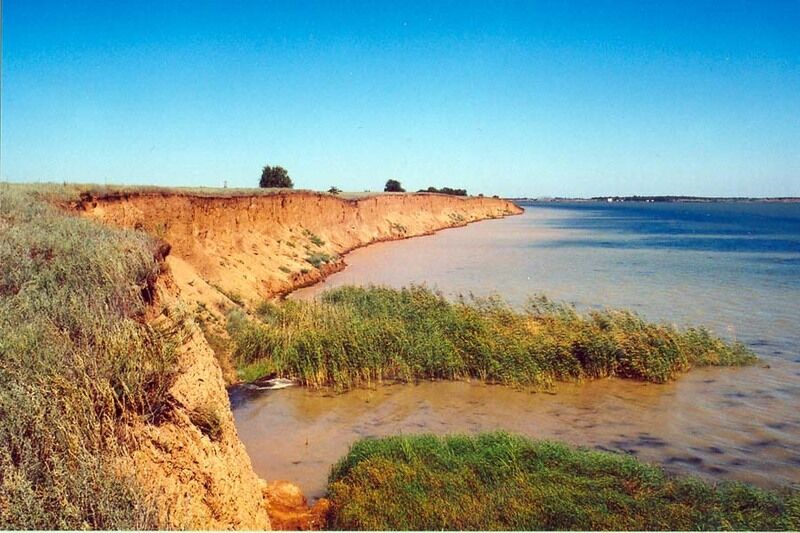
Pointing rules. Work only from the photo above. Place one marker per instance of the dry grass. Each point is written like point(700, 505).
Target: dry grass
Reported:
point(73, 192)
point(76, 362)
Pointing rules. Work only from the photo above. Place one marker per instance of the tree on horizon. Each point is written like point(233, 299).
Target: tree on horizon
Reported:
point(276, 176)
point(393, 186)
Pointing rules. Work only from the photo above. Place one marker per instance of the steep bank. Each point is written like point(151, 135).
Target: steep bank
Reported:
point(192, 463)
point(113, 411)
point(247, 248)
point(238, 250)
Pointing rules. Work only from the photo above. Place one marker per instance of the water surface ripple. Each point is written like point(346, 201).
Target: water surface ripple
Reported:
point(733, 267)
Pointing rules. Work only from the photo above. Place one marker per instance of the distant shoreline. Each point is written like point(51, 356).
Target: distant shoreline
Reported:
point(665, 199)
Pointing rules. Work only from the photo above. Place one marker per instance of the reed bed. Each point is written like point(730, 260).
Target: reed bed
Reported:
point(76, 361)
point(497, 481)
point(356, 336)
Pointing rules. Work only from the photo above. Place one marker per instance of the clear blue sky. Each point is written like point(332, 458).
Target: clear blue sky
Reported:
point(514, 98)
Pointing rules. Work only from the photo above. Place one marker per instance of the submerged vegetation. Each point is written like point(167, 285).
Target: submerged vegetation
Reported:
point(76, 362)
point(355, 336)
point(501, 481)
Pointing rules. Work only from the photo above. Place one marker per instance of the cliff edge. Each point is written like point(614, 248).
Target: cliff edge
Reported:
point(235, 251)
point(262, 246)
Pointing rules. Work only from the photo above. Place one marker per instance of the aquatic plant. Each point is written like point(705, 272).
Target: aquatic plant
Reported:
point(499, 481)
point(76, 362)
point(358, 335)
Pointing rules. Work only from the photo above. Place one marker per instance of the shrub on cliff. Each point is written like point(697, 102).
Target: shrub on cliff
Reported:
point(393, 186)
point(357, 335)
point(76, 363)
point(276, 176)
point(446, 190)
point(497, 481)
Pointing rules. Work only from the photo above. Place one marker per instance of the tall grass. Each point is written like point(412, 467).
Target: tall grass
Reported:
point(500, 481)
point(355, 336)
point(76, 362)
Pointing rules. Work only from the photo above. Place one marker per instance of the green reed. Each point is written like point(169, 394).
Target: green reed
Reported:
point(355, 336)
point(506, 482)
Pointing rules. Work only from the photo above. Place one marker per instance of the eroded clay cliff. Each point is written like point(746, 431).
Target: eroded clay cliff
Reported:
point(225, 251)
point(261, 246)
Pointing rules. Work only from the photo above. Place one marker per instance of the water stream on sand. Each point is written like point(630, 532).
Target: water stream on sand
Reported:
point(733, 267)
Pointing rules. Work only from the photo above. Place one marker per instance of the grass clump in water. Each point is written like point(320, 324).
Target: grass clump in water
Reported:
point(358, 335)
point(76, 362)
point(501, 481)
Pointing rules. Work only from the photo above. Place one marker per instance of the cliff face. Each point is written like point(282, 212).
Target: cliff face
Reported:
point(250, 248)
point(239, 250)
point(193, 464)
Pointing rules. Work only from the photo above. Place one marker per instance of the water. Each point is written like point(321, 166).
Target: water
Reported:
point(733, 267)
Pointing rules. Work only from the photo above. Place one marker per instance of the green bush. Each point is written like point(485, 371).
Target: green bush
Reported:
point(500, 481)
point(356, 335)
point(314, 238)
point(275, 177)
point(446, 190)
point(317, 259)
point(393, 186)
point(76, 363)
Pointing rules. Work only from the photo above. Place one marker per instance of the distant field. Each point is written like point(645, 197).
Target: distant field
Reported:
point(72, 192)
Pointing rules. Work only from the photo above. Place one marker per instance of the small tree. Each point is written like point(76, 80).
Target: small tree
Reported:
point(393, 186)
point(334, 190)
point(275, 177)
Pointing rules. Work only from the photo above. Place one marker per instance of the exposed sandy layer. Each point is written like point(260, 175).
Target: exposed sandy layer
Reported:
point(244, 249)
point(199, 478)
point(256, 247)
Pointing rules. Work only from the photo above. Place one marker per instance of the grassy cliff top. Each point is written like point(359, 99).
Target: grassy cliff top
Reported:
point(74, 192)
point(76, 362)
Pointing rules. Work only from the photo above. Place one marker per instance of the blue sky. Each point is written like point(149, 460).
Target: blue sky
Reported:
point(514, 98)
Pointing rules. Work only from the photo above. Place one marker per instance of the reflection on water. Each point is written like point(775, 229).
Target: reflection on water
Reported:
point(733, 267)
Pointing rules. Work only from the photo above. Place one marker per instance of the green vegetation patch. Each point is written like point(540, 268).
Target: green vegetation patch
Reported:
point(500, 481)
point(76, 363)
point(314, 238)
point(357, 335)
point(317, 259)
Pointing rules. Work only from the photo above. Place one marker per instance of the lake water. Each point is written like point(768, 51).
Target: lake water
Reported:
point(734, 267)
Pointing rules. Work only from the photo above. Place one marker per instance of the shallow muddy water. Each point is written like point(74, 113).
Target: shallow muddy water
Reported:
point(296, 434)
point(733, 267)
